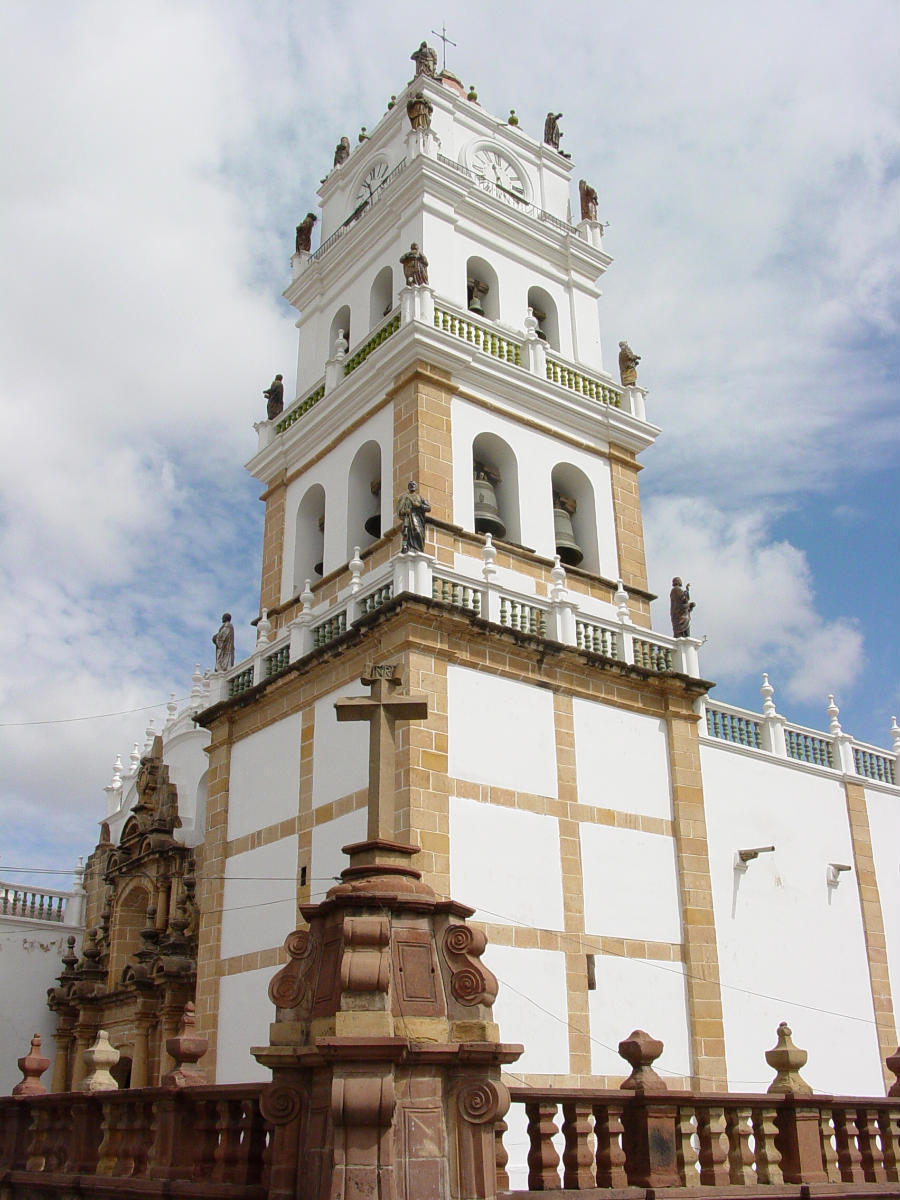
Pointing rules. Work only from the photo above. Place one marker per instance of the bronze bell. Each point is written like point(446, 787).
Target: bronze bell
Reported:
point(566, 547)
point(487, 512)
point(476, 290)
point(372, 525)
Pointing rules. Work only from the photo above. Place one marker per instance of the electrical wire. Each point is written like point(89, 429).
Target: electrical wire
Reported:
point(126, 712)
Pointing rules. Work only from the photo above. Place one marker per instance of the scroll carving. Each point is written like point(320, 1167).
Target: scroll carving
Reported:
point(365, 966)
point(470, 981)
point(482, 1101)
point(293, 986)
point(280, 1104)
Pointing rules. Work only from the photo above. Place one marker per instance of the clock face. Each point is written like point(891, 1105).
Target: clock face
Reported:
point(371, 181)
point(494, 167)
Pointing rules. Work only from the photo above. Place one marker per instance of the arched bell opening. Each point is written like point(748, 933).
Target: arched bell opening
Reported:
point(543, 306)
point(381, 298)
point(495, 476)
point(340, 325)
point(364, 498)
point(482, 289)
point(575, 518)
point(309, 537)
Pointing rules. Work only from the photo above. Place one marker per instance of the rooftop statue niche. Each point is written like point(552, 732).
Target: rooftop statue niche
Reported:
point(419, 109)
point(415, 266)
point(411, 509)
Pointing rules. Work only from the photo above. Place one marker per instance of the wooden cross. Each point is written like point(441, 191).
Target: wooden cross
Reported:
point(382, 709)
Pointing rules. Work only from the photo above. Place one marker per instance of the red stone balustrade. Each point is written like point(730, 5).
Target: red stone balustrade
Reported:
point(596, 1140)
point(211, 1137)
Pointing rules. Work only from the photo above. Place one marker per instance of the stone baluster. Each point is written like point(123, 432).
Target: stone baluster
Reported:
point(829, 1154)
point(889, 1128)
point(577, 1154)
point(111, 1157)
point(501, 1155)
point(738, 1130)
point(685, 1151)
point(32, 1065)
point(848, 1151)
point(543, 1161)
point(870, 1151)
point(713, 1145)
point(608, 1130)
point(768, 1157)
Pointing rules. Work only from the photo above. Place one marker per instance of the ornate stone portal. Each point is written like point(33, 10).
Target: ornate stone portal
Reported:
point(385, 1057)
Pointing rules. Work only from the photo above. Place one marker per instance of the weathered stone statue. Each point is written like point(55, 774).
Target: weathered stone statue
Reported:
point(419, 109)
point(415, 266)
point(342, 151)
point(411, 509)
point(274, 395)
point(628, 362)
point(680, 608)
point(223, 641)
point(588, 201)
point(304, 233)
point(551, 130)
point(426, 61)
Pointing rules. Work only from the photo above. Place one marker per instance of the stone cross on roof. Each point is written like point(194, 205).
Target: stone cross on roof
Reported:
point(382, 709)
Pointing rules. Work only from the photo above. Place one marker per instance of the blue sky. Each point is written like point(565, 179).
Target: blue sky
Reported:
point(158, 156)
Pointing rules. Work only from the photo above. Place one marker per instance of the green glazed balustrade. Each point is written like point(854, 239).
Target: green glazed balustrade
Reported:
point(303, 407)
point(277, 661)
point(327, 631)
point(373, 343)
point(482, 339)
point(729, 727)
point(376, 599)
point(241, 682)
point(651, 656)
point(806, 748)
point(576, 382)
point(873, 766)
point(596, 639)
point(457, 594)
point(527, 618)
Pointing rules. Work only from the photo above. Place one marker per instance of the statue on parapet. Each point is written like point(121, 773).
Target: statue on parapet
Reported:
point(426, 61)
point(419, 109)
point(303, 238)
point(415, 266)
point(223, 640)
point(628, 362)
point(552, 132)
point(342, 151)
point(274, 395)
point(411, 509)
point(680, 608)
point(588, 200)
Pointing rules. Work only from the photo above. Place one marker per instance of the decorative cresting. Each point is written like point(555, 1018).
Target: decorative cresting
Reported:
point(385, 1058)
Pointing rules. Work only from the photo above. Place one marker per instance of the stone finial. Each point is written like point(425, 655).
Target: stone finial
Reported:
point(32, 1066)
point(356, 565)
point(197, 685)
point(531, 325)
point(186, 1048)
point(895, 735)
point(767, 692)
point(134, 759)
point(99, 1058)
point(558, 575)
point(263, 628)
point(116, 782)
point(787, 1059)
point(834, 725)
point(488, 554)
point(640, 1050)
point(893, 1065)
point(621, 598)
point(149, 735)
point(307, 599)
point(341, 345)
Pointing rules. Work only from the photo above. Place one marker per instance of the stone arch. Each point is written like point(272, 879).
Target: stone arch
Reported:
point(544, 308)
point(381, 297)
point(364, 497)
point(571, 482)
point(340, 321)
point(480, 275)
point(496, 458)
point(309, 537)
point(129, 917)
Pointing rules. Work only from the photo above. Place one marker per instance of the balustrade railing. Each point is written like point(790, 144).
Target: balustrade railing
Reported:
point(596, 639)
point(376, 599)
point(241, 682)
point(460, 595)
point(874, 765)
point(527, 618)
point(482, 337)
point(586, 385)
point(277, 660)
point(519, 204)
point(733, 727)
point(36, 904)
point(809, 747)
point(702, 1140)
point(652, 656)
point(304, 406)
point(359, 212)
point(326, 631)
point(380, 335)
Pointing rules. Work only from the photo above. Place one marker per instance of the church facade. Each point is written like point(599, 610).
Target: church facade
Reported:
point(454, 490)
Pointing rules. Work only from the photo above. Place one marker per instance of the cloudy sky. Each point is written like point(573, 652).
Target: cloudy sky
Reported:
point(156, 157)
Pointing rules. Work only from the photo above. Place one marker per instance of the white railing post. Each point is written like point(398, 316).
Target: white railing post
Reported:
point(74, 913)
point(534, 352)
point(334, 368)
point(634, 400)
point(843, 743)
point(301, 626)
point(562, 610)
point(687, 655)
point(895, 746)
point(412, 573)
point(491, 607)
point(772, 724)
point(417, 304)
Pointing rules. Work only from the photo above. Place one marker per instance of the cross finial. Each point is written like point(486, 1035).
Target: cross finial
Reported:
point(382, 709)
point(443, 36)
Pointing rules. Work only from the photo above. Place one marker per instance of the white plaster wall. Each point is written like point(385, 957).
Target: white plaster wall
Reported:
point(186, 758)
point(536, 454)
point(30, 959)
point(790, 948)
point(327, 858)
point(332, 472)
point(531, 1006)
point(264, 782)
point(884, 830)
point(528, 890)
point(630, 884)
point(622, 760)
point(501, 732)
point(340, 749)
point(245, 1013)
point(638, 993)
point(259, 903)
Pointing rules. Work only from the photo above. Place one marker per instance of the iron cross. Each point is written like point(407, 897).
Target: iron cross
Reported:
point(382, 709)
point(443, 36)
